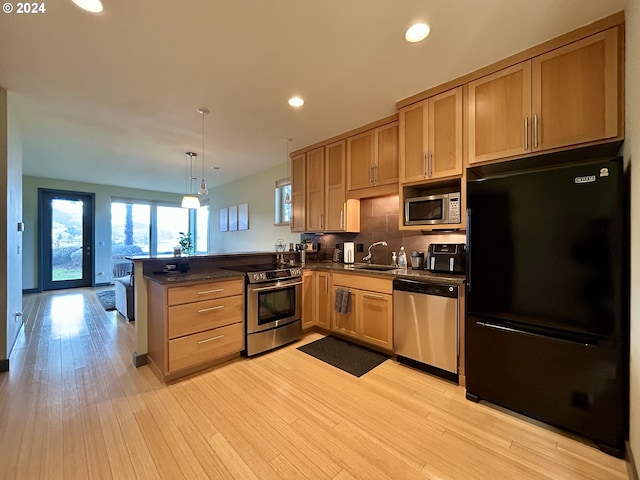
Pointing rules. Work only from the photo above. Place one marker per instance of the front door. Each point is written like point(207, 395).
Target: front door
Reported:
point(66, 222)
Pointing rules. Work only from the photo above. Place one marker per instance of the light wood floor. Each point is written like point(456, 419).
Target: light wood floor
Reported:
point(74, 407)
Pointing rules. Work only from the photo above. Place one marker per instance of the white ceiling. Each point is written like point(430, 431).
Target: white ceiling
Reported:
point(112, 98)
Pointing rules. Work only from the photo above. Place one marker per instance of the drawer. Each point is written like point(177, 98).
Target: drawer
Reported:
point(363, 282)
point(204, 291)
point(206, 346)
point(200, 316)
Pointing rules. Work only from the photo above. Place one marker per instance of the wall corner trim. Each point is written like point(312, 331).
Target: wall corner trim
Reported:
point(631, 467)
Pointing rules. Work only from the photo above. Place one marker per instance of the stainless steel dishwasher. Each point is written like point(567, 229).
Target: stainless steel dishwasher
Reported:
point(425, 326)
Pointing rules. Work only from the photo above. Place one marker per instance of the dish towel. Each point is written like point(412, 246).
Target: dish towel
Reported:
point(343, 300)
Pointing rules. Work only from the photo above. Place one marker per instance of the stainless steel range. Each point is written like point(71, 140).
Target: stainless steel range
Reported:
point(273, 306)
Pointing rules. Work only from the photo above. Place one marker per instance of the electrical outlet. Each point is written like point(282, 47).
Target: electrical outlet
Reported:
point(18, 316)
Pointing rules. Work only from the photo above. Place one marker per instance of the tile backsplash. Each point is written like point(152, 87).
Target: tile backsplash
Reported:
point(379, 221)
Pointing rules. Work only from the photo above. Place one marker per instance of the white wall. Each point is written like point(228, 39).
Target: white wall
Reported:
point(103, 194)
point(258, 191)
point(11, 193)
point(632, 152)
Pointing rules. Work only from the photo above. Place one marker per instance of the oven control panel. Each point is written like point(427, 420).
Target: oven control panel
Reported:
point(274, 275)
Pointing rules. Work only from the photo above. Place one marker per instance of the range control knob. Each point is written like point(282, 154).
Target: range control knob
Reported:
point(256, 276)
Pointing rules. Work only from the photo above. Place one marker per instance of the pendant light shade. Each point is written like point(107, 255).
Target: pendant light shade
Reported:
point(203, 186)
point(190, 200)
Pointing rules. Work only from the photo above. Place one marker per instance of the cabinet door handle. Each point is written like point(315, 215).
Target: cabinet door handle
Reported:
point(373, 295)
point(210, 339)
point(424, 164)
point(217, 290)
point(202, 310)
point(535, 131)
point(320, 221)
point(526, 133)
point(341, 219)
point(375, 174)
point(430, 164)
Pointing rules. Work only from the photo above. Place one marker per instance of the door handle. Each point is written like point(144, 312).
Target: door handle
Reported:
point(202, 310)
point(210, 339)
point(424, 164)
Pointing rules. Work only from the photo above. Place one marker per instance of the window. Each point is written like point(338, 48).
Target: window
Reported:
point(170, 221)
point(202, 230)
point(150, 228)
point(130, 229)
point(283, 207)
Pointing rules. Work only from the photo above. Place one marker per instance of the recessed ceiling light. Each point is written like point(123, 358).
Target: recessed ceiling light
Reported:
point(93, 6)
point(417, 32)
point(296, 102)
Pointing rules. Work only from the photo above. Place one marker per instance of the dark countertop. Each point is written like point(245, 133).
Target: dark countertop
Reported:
point(212, 274)
point(409, 273)
point(143, 258)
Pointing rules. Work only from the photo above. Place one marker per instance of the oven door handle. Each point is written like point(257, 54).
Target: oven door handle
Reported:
point(277, 287)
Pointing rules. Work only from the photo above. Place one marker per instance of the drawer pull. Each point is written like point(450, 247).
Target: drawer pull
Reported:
point(217, 290)
point(371, 295)
point(211, 339)
point(202, 310)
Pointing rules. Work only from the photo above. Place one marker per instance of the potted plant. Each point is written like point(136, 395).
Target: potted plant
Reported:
point(185, 242)
point(307, 242)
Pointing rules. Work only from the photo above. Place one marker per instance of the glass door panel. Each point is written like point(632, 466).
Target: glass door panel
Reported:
point(66, 232)
point(66, 239)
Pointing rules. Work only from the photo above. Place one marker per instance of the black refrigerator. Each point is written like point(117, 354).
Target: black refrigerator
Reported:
point(547, 324)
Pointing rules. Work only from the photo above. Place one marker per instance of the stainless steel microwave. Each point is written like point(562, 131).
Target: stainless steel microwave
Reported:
point(433, 209)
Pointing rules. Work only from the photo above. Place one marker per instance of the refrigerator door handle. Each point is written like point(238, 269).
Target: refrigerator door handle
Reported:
point(468, 256)
point(562, 338)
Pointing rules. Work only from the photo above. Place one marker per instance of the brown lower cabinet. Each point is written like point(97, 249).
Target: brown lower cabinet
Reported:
point(370, 318)
point(192, 327)
point(316, 296)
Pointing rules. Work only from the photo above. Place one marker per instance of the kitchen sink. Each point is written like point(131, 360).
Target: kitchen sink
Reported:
point(379, 268)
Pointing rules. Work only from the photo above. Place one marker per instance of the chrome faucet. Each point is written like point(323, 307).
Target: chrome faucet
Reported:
point(367, 258)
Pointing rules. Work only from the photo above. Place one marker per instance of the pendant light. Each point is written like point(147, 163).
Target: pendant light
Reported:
point(287, 197)
point(203, 186)
point(190, 200)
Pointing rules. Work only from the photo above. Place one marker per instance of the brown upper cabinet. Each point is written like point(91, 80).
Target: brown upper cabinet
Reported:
point(298, 197)
point(318, 192)
point(566, 97)
point(431, 138)
point(372, 160)
point(315, 190)
point(341, 215)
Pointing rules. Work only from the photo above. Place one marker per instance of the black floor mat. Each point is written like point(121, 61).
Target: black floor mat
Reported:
point(346, 356)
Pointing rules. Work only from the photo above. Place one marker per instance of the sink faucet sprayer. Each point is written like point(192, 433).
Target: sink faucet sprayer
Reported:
point(367, 258)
